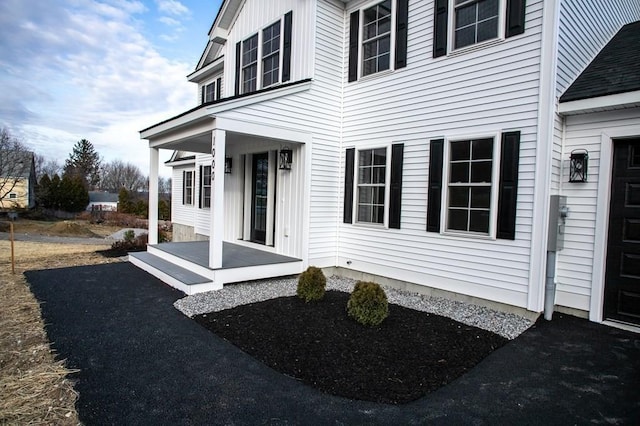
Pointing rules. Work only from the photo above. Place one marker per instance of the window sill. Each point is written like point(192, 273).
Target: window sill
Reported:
point(472, 48)
point(467, 235)
point(379, 74)
point(370, 225)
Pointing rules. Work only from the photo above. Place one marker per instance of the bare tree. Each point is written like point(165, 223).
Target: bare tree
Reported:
point(44, 166)
point(118, 174)
point(15, 164)
point(164, 185)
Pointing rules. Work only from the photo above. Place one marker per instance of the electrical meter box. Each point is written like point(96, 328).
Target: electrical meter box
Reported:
point(558, 212)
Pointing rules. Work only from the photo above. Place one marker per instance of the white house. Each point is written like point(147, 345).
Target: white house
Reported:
point(102, 201)
point(416, 143)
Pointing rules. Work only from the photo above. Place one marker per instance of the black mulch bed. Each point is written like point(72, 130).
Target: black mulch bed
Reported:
point(409, 355)
point(118, 252)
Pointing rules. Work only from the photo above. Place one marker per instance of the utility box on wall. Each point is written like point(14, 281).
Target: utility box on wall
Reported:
point(558, 212)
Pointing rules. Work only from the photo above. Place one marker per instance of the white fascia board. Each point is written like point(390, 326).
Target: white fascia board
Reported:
point(172, 124)
point(219, 35)
point(255, 99)
point(205, 72)
point(601, 103)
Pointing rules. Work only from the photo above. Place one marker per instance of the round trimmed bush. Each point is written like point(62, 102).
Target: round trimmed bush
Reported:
point(368, 303)
point(311, 284)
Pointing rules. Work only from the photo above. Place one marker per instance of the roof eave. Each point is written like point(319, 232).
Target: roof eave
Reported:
point(600, 103)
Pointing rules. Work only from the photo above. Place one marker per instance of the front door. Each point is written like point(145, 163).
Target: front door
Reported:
point(622, 285)
point(259, 197)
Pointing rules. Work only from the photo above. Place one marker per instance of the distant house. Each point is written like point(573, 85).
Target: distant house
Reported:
point(102, 201)
point(420, 144)
point(17, 180)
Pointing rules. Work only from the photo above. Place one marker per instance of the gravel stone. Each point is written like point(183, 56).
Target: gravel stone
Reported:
point(505, 324)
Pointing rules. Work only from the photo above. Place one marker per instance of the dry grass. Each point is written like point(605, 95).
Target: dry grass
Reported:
point(34, 387)
point(64, 228)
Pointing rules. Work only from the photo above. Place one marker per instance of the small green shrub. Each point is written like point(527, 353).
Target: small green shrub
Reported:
point(129, 235)
point(311, 284)
point(368, 303)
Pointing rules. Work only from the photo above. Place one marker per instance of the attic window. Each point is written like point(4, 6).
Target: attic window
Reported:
point(208, 92)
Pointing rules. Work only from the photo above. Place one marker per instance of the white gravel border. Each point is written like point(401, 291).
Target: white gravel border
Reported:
point(505, 324)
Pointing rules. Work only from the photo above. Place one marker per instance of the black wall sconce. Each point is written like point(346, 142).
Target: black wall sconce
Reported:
point(578, 164)
point(286, 158)
point(228, 163)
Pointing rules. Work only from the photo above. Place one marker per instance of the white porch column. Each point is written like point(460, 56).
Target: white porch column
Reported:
point(216, 232)
point(153, 195)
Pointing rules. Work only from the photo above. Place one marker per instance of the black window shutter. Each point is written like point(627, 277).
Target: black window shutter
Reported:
point(508, 190)
point(395, 194)
point(515, 17)
point(238, 63)
point(440, 28)
point(402, 21)
point(200, 188)
point(434, 196)
point(354, 30)
point(204, 90)
point(286, 48)
point(184, 187)
point(219, 88)
point(348, 185)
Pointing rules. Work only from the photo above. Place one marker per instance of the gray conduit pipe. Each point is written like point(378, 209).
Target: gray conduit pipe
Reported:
point(550, 286)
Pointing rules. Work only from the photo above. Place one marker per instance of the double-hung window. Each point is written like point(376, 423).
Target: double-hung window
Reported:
point(187, 187)
point(371, 189)
point(264, 59)
point(271, 55)
point(469, 185)
point(376, 38)
point(460, 24)
point(205, 187)
point(475, 21)
point(208, 92)
point(250, 64)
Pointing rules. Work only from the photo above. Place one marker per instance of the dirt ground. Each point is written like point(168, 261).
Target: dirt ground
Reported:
point(34, 386)
point(64, 228)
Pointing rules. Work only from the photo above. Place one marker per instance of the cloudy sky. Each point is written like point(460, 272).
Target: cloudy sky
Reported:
point(98, 69)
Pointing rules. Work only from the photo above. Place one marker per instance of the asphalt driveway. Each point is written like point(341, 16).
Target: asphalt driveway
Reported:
point(143, 362)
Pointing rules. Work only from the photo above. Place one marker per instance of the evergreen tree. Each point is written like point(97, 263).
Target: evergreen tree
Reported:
point(76, 196)
point(43, 191)
point(84, 162)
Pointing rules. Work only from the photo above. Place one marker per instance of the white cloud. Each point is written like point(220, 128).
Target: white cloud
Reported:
point(169, 21)
point(172, 7)
point(83, 69)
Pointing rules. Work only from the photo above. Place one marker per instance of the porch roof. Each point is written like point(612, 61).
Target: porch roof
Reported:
point(208, 110)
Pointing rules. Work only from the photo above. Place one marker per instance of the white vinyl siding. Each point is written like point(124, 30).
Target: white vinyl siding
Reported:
point(180, 213)
point(485, 91)
point(593, 132)
point(256, 15)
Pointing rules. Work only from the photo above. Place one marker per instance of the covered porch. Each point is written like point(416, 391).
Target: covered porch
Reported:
point(255, 218)
point(185, 265)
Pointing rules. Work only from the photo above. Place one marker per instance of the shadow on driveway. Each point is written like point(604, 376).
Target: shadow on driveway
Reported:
point(143, 362)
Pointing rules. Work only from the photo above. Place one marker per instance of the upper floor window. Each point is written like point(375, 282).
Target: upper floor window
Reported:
point(264, 59)
point(463, 23)
point(376, 38)
point(187, 187)
point(208, 92)
point(205, 187)
point(250, 64)
point(372, 170)
point(475, 21)
point(271, 55)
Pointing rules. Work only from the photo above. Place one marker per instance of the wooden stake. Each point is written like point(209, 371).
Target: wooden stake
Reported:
point(13, 258)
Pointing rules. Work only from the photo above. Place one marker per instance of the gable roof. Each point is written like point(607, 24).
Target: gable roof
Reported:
point(616, 69)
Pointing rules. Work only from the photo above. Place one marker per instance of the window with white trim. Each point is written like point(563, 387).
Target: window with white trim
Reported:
point(469, 186)
point(205, 187)
point(13, 195)
point(271, 55)
point(376, 38)
point(250, 64)
point(475, 21)
point(371, 185)
point(187, 187)
point(209, 92)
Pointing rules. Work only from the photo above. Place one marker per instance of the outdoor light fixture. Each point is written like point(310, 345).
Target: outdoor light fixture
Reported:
point(228, 163)
point(578, 163)
point(286, 158)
